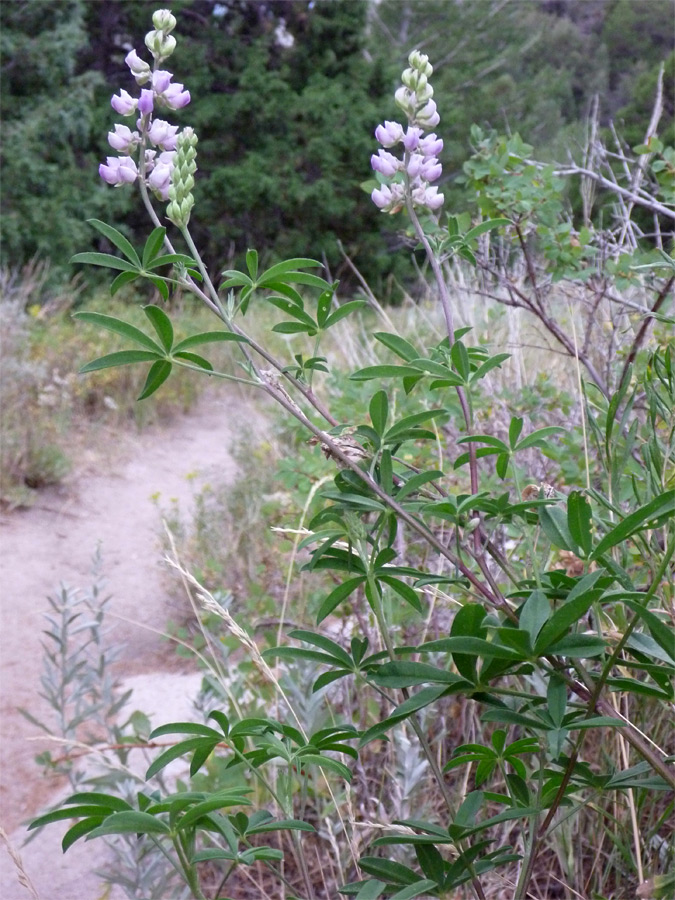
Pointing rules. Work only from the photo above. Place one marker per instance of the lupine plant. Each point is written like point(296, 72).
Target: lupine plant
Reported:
point(564, 669)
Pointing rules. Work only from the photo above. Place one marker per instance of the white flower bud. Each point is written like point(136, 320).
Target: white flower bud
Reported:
point(163, 20)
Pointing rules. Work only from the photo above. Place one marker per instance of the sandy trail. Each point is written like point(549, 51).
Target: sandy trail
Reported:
point(43, 547)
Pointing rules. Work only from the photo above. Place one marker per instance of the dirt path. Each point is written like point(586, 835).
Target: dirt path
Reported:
point(54, 543)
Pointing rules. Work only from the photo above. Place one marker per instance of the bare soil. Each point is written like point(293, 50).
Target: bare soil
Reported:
point(113, 500)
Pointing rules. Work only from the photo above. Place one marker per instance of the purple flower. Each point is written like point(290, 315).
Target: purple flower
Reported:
point(385, 163)
point(161, 79)
point(163, 135)
point(159, 179)
point(431, 145)
point(174, 97)
point(431, 169)
point(125, 104)
point(428, 197)
point(123, 138)
point(119, 170)
point(389, 198)
point(381, 196)
point(414, 166)
point(146, 104)
point(389, 134)
point(139, 69)
point(412, 138)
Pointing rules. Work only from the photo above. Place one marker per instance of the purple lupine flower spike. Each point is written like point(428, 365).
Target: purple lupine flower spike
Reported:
point(409, 179)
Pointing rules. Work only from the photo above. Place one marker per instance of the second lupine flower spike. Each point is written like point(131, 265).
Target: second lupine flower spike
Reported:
point(412, 175)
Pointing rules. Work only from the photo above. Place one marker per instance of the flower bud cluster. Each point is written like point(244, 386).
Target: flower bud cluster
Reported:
point(412, 175)
point(182, 179)
point(156, 92)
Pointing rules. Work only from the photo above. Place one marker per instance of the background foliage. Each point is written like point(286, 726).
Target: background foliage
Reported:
point(286, 128)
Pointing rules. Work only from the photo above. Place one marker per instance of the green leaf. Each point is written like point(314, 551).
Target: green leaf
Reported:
point(662, 633)
point(325, 643)
point(536, 438)
point(199, 810)
point(252, 263)
point(288, 265)
point(153, 245)
point(415, 482)
point(171, 259)
point(157, 375)
point(371, 372)
point(487, 225)
point(79, 830)
point(117, 326)
point(379, 411)
point(409, 674)
point(460, 359)
point(471, 646)
point(371, 890)
point(179, 750)
point(71, 812)
point(414, 890)
point(122, 358)
point(122, 279)
point(162, 325)
point(579, 516)
point(106, 801)
point(580, 600)
point(161, 286)
point(323, 306)
point(535, 613)
point(118, 239)
point(553, 521)
point(326, 762)
point(281, 825)
point(392, 872)
point(403, 590)
point(488, 365)
point(294, 328)
point(105, 260)
point(185, 728)
point(130, 822)
point(467, 812)
point(209, 337)
point(341, 592)
point(342, 312)
point(195, 359)
point(411, 422)
point(485, 439)
point(662, 505)
point(515, 428)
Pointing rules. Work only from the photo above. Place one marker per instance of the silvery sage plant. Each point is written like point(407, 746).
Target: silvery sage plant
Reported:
point(518, 646)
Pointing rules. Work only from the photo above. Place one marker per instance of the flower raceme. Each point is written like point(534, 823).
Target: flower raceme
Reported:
point(410, 177)
point(157, 92)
